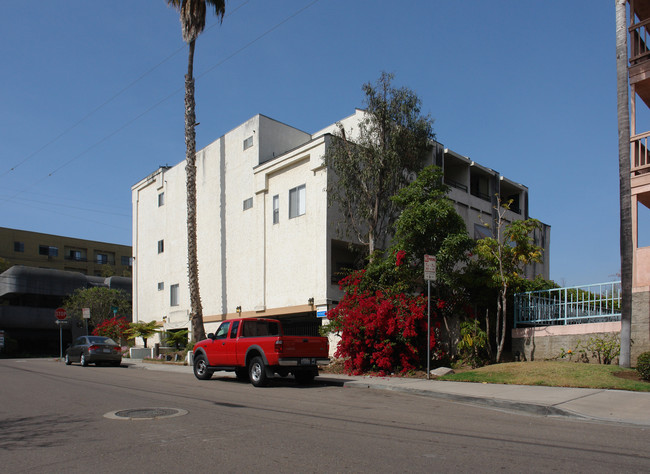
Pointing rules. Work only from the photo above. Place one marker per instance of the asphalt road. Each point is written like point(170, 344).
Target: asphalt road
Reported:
point(52, 419)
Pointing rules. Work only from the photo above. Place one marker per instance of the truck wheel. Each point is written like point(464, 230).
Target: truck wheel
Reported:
point(242, 374)
point(201, 371)
point(304, 377)
point(257, 372)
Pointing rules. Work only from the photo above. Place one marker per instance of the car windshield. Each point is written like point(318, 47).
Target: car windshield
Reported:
point(101, 340)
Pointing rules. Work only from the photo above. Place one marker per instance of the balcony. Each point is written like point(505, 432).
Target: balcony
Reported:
point(639, 68)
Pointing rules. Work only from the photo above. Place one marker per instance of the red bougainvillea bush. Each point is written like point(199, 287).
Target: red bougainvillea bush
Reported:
point(115, 328)
point(382, 331)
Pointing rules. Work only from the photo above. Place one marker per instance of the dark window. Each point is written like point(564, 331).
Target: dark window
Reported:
point(161, 199)
point(126, 261)
point(233, 330)
point(19, 246)
point(48, 250)
point(248, 203)
point(161, 246)
point(102, 258)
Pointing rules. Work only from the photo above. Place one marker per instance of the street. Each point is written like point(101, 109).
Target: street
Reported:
point(52, 419)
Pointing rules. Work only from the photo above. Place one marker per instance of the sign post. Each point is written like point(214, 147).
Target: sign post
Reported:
point(60, 314)
point(429, 274)
point(86, 315)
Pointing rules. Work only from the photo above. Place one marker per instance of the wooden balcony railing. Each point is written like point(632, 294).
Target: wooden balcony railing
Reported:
point(638, 42)
point(640, 159)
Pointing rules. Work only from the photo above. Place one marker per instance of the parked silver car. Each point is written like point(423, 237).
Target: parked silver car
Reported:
point(94, 350)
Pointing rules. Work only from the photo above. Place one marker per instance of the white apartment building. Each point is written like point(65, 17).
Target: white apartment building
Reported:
point(268, 244)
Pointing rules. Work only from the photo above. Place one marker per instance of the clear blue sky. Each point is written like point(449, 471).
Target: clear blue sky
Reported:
point(92, 101)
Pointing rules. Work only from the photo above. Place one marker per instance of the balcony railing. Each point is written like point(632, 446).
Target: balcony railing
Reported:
point(638, 42)
point(575, 305)
point(455, 184)
point(640, 160)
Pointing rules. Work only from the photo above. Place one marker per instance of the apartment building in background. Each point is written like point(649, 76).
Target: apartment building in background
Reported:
point(34, 249)
point(268, 243)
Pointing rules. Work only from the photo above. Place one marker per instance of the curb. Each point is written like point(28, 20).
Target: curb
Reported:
point(521, 407)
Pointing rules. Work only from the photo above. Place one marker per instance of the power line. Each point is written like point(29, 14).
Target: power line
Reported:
point(169, 96)
point(107, 101)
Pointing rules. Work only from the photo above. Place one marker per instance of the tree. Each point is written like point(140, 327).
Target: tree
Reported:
point(625, 195)
point(4, 265)
point(176, 338)
point(393, 141)
point(192, 15)
point(100, 300)
point(505, 255)
point(143, 330)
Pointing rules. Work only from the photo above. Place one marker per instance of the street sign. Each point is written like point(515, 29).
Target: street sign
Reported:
point(60, 314)
point(85, 312)
point(429, 267)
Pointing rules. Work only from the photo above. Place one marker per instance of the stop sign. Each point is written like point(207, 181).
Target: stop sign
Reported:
point(60, 314)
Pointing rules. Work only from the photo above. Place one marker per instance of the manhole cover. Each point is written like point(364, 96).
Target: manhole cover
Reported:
point(145, 413)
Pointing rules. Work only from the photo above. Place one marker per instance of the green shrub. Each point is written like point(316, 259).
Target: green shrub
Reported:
point(643, 365)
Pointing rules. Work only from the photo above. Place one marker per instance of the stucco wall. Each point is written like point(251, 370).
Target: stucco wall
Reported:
point(549, 342)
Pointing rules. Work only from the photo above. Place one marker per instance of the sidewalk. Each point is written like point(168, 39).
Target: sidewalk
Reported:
point(616, 406)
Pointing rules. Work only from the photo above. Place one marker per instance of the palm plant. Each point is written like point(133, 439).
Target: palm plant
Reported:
point(192, 15)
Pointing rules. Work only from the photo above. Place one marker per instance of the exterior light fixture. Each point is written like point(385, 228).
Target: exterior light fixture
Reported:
point(238, 309)
point(310, 301)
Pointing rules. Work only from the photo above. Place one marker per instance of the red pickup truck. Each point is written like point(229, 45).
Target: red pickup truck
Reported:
point(256, 349)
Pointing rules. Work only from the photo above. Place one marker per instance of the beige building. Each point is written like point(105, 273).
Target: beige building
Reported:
point(268, 243)
point(33, 249)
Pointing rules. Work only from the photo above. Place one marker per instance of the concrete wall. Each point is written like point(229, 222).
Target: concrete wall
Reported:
point(549, 342)
point(640, 327)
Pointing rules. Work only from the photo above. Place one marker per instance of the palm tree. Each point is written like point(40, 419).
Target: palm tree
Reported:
point(624, 182)
point(192, 13)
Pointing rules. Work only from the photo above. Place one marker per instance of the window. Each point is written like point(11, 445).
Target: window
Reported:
point(161, 246)
point(248, 203)
point(222, 332)
point(161, 286)
point(19, 246)
point(48, 250)
point(161, 199)
point(233, 330)
point(126, 261)
point(102, 258)
point(297, 201)
point(276, 209)
point(173, 295)
point(248, 142)
point(75, 255)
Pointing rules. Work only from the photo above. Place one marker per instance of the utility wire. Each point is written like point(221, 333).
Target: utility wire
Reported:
point(166, 98)
point(108, 101)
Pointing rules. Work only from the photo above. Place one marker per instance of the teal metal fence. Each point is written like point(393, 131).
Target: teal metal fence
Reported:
point(596, 303)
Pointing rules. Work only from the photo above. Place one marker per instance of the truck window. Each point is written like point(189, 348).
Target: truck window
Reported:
point(233, 330)
point(222, 332)
point(260, 328)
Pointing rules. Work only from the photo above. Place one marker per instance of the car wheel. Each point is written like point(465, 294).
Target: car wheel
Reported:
point(201, 370)
point(242, 374)
point(67, 360)
point(304, 377)
point(83, 361)
point(257, 372)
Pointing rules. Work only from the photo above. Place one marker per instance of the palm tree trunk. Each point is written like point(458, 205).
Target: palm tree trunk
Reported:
point(624, 183)
point(196, 310)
